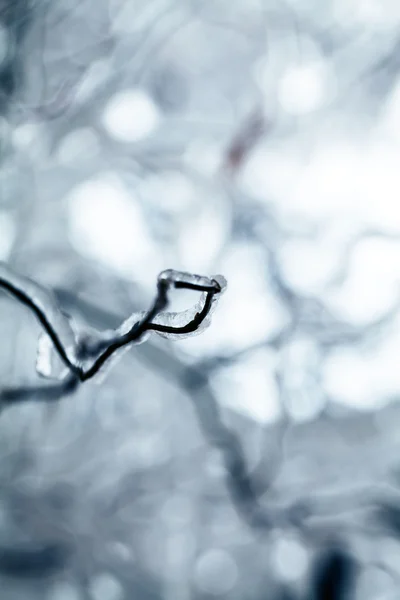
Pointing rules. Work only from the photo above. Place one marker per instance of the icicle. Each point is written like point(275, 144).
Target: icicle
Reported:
point(44, 305)
point(48, 362)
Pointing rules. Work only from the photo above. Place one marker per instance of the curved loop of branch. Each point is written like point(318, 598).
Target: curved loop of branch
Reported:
point(84, 359)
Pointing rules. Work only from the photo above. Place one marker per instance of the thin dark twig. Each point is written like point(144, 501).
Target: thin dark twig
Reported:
point(24, 290)
point(25, 298)
point(190, 327)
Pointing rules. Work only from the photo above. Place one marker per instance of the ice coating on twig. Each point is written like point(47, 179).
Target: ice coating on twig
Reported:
point(64, 350)
point(184, 324)
point(191, 281)
point(48, 362)
point(50, 365)
point(180, 325)
point(43, 304)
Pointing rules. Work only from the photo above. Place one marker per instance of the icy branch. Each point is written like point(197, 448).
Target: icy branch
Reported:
point(83, 355)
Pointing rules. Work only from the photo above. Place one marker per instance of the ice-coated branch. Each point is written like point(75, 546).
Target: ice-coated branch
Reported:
point(83, 355)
